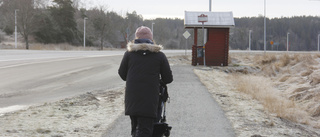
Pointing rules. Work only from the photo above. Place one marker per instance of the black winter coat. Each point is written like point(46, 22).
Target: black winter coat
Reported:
point(142, 67)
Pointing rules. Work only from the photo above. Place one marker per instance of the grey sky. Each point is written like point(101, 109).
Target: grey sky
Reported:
point(240, 8)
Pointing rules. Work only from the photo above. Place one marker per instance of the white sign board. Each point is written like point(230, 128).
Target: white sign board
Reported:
point(203, 18)
point(186, 34)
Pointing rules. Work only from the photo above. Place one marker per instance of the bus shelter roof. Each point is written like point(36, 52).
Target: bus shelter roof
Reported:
point(215, 19)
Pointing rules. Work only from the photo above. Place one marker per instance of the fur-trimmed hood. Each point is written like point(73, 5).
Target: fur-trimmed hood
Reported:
point(131, 47)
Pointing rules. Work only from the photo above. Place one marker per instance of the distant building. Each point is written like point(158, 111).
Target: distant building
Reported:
point(121, 40)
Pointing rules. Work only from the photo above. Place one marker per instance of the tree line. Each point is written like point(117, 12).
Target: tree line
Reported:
point(63, 22)
point(303, 32)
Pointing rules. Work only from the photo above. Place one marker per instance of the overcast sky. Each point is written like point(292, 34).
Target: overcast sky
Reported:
point(240, 8)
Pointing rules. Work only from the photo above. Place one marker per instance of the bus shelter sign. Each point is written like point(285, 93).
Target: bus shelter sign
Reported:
point(203, 18)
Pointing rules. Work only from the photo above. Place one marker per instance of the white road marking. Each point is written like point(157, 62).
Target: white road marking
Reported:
point(48, 61)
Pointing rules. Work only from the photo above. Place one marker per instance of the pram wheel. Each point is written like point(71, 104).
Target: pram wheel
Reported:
point(167, 134)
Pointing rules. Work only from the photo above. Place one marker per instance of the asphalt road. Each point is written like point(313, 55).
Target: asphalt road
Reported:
point(34, 77)
point(192, 112)
point(30, 77)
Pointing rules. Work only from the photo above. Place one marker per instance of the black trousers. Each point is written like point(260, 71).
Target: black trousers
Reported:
point(141, 126)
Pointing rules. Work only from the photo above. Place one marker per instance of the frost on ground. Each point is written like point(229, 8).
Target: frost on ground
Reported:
point(89, 114)
point(261, 96)
point(247, 115)
point(86, 115)
point(258, 94)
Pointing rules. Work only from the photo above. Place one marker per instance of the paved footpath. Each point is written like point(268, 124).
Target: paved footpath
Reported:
point(192, 112)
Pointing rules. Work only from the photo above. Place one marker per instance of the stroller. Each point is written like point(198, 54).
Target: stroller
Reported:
point(161, 128)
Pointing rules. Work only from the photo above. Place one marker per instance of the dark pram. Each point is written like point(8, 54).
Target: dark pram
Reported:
point(161, 128)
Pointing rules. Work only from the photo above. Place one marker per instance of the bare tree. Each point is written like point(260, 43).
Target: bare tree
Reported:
point(41, 4)
point(132, 21)
point(28, 9)
point(100, 20)
point(25, 18)
point(7, 16)
point(76, 4)
point(1, 15)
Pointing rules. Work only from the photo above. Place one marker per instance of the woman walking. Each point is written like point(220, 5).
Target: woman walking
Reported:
point(143, 67)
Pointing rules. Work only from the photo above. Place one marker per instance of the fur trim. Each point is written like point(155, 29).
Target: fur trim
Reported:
point(144, 46)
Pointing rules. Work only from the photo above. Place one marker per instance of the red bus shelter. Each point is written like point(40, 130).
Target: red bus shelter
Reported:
point(217, 43)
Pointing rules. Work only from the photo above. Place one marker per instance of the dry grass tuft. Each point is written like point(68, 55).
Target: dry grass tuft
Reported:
point(273, 65)
point(297, 96)
point(262, 90)
point(315, 79)
point(284, 60)
point(284, 78)
point(309, 59)
point(277, 73)
point(316, 112)
point(296, 57)
point(269, 70)
point(309, 98)
point(317, 55)
point(266, 59)
point(306, 73)
point(298, 90)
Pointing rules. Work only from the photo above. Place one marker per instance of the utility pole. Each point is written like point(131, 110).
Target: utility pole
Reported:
point(15, 27)
point(203, 18)
point(152, 29)
point(288, 41)
point(210, 4)
point(250, 31)
point(318, 41)
point(84, 32)
point(204, 45)
point(265, 27)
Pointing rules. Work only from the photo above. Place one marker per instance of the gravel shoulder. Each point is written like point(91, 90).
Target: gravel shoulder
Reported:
point(85, 115)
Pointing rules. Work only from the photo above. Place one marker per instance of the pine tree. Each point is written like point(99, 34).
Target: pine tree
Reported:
point(63, 14)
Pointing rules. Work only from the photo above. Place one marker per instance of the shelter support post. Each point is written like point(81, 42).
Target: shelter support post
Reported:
point(194, 47)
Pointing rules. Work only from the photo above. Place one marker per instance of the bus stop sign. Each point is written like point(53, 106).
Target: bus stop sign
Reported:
point(203, 18)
